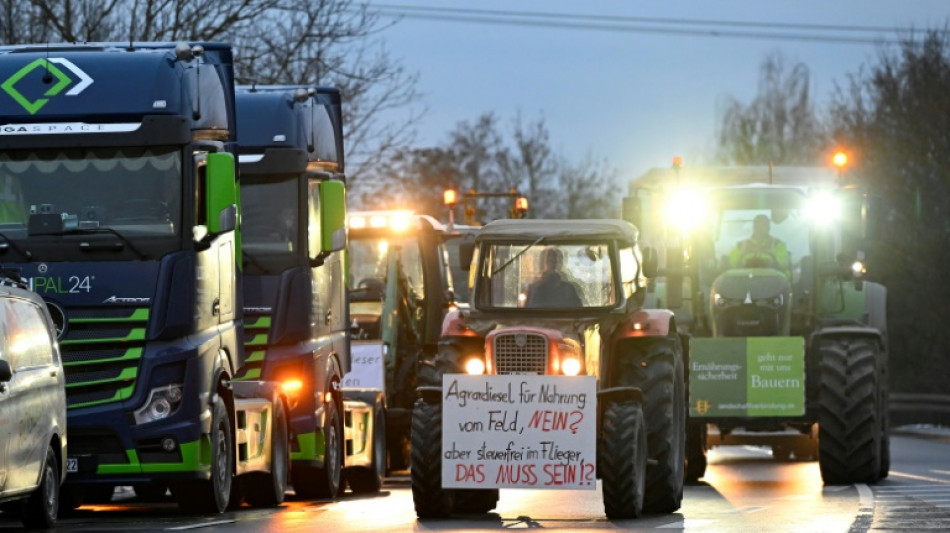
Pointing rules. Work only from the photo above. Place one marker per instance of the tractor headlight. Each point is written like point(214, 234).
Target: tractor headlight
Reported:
point(162, 402)
point(719, 300)
point(687, 209)
point(570, 366)
point(475, 366)
point(823, 208)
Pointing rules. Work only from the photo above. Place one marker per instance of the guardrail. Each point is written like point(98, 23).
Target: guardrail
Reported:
point(911, 408)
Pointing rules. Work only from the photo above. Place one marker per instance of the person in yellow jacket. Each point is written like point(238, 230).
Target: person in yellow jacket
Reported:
point(761, 250)
point(12, 204)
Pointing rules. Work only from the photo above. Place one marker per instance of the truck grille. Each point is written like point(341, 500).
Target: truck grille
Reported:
point(256, 328)
point(101, 349)
point(520, 353)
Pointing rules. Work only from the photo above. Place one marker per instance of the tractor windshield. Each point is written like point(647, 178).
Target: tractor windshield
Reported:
point(557, 276)
point(759, 229)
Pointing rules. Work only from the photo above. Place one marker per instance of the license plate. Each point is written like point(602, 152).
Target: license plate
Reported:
point(72, 464)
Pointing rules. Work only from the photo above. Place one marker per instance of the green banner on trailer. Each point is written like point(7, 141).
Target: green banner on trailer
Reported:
point(746, 377)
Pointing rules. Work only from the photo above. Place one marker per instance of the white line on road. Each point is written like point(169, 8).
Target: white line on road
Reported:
point(201, 525)
point(921, 478)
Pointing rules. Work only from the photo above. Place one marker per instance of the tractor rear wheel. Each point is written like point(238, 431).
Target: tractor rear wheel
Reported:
point(849, 423)
point(655, 365)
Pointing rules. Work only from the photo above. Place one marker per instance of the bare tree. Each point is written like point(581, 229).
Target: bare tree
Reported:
point(779, 126)
point(312, 42)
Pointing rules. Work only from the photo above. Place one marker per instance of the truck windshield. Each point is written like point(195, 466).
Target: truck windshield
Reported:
point(547, 276)
point(134, 190)
point(269, 222)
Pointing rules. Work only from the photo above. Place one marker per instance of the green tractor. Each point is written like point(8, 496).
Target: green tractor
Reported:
point(764, 268)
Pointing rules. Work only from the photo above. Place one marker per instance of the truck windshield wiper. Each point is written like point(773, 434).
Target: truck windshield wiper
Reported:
point(28, 255)
point(517, 255)
point(105, 229)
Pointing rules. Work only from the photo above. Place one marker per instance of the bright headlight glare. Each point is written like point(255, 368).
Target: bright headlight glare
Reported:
point(571, 366)
point(687, 209)
point(475, 366)
point(719, 300)
point(162, 402)
point(823, 208)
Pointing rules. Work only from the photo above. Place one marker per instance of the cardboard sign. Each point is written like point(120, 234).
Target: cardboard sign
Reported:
point(366, 367)
point(753, 376)
point(519, 432)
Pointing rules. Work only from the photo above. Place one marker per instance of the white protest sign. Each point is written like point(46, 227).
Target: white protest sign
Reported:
point(366, 367)
point(519, 432)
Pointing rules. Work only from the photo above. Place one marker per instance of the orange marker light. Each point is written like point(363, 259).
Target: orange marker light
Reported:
point(521, 204)
point(450, 197)
point(292, 386)
point(840, 159)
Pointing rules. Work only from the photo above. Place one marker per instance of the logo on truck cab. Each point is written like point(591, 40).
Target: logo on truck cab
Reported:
point(51, 75)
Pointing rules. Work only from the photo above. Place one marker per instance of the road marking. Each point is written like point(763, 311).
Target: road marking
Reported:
point(201, 525)
point(865, 517)
point(920, 478)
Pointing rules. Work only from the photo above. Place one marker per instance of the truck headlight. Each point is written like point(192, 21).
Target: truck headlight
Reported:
point(475, 366)
point(162, 402)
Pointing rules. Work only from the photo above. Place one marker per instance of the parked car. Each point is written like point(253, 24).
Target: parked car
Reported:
point(33, 407)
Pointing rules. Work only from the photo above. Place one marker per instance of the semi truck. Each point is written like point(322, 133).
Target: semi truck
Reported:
point(765, 268)
point(296, 329)
point(400, 289)
point(563, 299)
point(121, 210)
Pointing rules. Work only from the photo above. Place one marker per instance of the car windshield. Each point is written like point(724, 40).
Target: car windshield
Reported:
point(133, 190)
point(542, 275)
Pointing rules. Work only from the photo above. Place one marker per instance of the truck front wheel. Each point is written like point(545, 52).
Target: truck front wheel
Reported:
point(269, 489)
point(430, 499)
point(622, 460)
point(212, 496)
point(325, 481)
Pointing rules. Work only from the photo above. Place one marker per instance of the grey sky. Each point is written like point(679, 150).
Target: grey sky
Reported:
point(635, 98)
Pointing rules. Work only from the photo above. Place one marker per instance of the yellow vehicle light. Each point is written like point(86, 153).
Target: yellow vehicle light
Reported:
point(571, 366)
point(475, 366)
point(357, 222)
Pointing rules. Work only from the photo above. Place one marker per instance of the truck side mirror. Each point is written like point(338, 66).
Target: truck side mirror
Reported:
point(6, 373)
point(221, 194)
point(466, 251)
point(332, 216)
point(651, 262)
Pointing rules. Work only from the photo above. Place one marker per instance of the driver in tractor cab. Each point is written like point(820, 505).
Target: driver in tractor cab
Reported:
point(553, 288)
point(761, 250)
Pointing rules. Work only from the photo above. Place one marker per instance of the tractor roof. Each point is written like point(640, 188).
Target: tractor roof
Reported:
point(797, 176)
point(574, 229)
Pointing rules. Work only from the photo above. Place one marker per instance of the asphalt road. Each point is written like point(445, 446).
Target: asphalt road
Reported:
point(745, 489)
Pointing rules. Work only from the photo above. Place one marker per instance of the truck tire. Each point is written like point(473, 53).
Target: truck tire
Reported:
point(622, 460)
point(213, 495)
point(366, 480)
point(849, 418)
point(428, 496)
point(325, 481)
point(42, 507)
point(269, 489)
point(655, 365)
point(475, 501)
point(695, 451)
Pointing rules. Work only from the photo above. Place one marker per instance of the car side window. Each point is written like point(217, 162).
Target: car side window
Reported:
point(27, 341)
